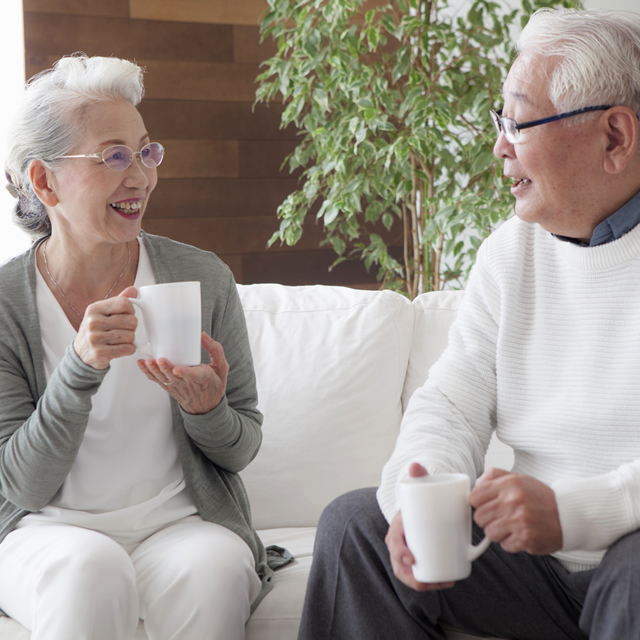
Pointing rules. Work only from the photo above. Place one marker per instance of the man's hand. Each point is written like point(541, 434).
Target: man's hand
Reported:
point(401, 558)
point(517, 511)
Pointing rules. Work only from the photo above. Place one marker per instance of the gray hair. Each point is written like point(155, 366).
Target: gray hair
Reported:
point(598, 56)
point(46, 126)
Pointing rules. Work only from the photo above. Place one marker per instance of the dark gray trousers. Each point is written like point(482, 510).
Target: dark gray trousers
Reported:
point(353, 594)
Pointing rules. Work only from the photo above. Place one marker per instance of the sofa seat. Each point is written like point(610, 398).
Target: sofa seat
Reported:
point(278, 616)
point(335, 369)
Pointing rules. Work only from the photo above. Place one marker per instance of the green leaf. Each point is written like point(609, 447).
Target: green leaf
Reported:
point(365, 103)
point(331, 214)
point(338, 244)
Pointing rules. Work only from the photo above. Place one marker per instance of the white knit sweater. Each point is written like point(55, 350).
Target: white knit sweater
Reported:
point(545, 349)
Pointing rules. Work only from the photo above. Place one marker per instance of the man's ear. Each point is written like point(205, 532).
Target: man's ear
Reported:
point(41, 183)
point(621, 130)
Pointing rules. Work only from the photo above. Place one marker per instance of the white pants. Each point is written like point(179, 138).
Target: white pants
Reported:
point(191, 580)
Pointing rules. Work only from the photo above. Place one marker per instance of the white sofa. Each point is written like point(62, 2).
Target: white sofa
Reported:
point(335, 369)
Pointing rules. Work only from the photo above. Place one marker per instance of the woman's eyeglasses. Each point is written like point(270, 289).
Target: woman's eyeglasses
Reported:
point(511, 128)
point(120, 157)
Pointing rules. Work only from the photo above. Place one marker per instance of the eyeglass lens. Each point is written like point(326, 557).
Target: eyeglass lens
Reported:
point(120, 157)
point(506, 126)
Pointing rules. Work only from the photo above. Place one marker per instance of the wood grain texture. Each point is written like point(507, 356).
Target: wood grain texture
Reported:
point(59, 35)
point(193, 119)
point(219, 197)
point(199, 159)
point(166, 80)
point(247, 12)
point(240, 234)
point(304, 267)
point(263, 158)
point(177, 80)
point(248, 48)
point(110, 8)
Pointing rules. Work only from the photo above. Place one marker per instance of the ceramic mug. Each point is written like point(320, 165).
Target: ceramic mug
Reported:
point(436, 515)
point(171, 314)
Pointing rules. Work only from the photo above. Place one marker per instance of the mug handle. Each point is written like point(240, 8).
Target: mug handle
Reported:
point(145, 349)
point(475, 551)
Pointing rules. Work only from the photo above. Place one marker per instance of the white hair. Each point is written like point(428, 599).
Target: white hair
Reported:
point(598, 56)
point(48, 121)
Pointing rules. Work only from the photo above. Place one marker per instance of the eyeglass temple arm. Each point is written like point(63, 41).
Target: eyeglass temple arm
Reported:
point(84, 155)
point(535, 123)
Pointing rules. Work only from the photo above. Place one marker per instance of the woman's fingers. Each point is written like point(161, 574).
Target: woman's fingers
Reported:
point(107, 332)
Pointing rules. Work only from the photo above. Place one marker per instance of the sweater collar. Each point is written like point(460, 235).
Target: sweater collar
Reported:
point(603, 256)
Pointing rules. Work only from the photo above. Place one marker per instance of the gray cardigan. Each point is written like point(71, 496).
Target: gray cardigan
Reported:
point(42, 425)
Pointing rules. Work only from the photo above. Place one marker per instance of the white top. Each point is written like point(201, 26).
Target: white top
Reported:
point(546, 348)
point(127, 480)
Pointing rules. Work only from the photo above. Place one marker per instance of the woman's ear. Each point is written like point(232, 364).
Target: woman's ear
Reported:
point(41, 183)
point(621, 130)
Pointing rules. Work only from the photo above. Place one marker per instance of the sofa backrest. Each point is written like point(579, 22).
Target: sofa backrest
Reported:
point(434, 314)
point(334, 367)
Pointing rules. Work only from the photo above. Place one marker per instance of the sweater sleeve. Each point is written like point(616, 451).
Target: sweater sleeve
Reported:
point(448, 422)
point(230, 435)
point(598, 510)
point(40, 438)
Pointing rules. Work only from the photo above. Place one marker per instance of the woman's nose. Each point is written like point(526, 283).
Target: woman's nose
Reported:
point(137, 173)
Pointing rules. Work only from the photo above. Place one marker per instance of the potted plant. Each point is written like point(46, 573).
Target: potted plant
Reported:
point(392, 101)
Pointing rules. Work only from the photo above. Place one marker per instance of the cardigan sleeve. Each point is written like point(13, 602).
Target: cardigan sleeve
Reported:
point(40, 438)
point(230, 435)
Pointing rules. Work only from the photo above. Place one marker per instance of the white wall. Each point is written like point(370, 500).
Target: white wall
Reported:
point(615, 5)
point(12, 240)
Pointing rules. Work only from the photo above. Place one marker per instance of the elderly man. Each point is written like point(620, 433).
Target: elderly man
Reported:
point(545, 351)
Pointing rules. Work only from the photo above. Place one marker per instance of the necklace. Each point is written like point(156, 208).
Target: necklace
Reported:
point(46, 266)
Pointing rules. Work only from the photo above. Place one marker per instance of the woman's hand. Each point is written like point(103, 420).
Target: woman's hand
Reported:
point(107, 331)
point(198, 389)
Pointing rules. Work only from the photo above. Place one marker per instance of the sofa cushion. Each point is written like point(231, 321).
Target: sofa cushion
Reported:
point(434, 313)
point(277, 617)
point(330, 364)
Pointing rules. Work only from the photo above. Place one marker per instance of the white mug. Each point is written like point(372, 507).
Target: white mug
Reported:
point(436, 515)
point(171, 314)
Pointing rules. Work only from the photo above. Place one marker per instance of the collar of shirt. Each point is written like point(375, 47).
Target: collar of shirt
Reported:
point(613, 227)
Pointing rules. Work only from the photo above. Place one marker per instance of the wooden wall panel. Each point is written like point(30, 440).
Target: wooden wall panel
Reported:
point(112, 8)
point(178, 80)
point(247, 46)
point(199, 159)
point(221, 183)
point(219, 197)
point(211, 11)
point(131, 39)
point(230, 235)
point(193, 119)
point(295, 267)
point(263, 158)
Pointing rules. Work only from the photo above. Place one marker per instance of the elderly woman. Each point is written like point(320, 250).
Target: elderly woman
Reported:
point(119, 490)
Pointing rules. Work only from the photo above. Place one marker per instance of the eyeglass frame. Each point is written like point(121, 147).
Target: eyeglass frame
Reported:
point(115, 146)
point(497, 118)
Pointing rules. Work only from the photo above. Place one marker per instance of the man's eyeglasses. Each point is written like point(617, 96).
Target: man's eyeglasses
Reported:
point(120, 157)
point(511, 128)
